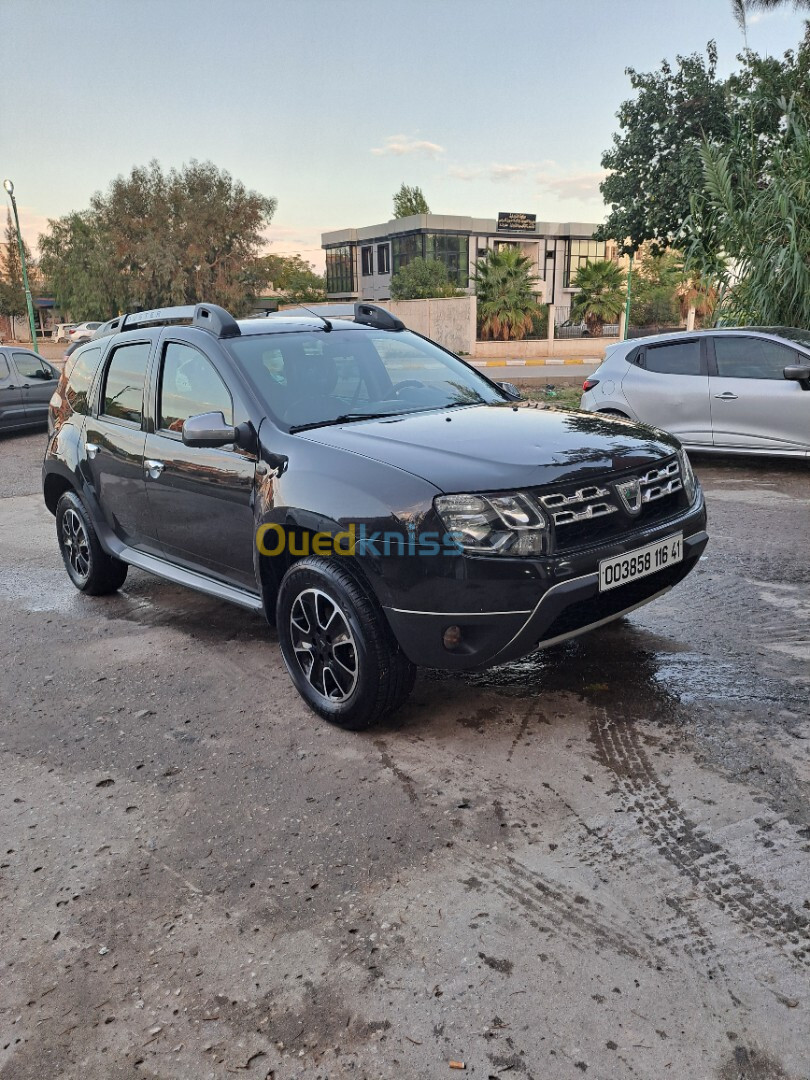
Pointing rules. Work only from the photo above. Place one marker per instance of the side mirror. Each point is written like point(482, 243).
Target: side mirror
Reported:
point(510, 390)
point(800, 374)
point(208, 429)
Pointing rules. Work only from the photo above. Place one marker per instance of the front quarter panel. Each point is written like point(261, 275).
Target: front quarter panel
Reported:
point(305, 488)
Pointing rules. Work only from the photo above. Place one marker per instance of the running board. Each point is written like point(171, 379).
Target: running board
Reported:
point(190, 578)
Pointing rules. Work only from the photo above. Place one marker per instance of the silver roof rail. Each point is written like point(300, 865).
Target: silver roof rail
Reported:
point(216, 320)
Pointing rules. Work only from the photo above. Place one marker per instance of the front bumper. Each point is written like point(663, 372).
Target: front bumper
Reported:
point(566, 608)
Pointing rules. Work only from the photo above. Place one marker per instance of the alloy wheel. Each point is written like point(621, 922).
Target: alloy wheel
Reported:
point(75, 543)
point(324, 645)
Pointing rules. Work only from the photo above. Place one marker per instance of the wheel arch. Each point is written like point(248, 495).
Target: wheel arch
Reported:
point(54, 487)
point(272, 568)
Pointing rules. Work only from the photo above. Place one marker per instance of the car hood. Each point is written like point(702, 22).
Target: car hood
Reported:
point(492, 448)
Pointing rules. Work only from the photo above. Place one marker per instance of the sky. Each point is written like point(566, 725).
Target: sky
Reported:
point(329, 105)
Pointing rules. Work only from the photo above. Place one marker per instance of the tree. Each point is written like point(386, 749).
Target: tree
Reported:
point(156, 239)
point(12, 291)
point(294, 278)
point(656, 280)
point(601, 294)
point(507, 306)
point(741, 8)
point(421, 279)
point(751, 227)
point(409, 201)
point(654, 162)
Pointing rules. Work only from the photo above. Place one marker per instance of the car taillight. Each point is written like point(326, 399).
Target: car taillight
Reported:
point(589, 384)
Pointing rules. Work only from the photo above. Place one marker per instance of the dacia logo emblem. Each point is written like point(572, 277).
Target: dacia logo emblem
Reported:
point(630, 494)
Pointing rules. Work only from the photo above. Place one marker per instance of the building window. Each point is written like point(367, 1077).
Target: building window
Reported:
point(405, 248)
point(383, 259)
point(367, 261)
point(340, 269)
point(454, 252)
point(579, 252)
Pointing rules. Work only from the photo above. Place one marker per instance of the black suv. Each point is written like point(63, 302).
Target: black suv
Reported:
point(381, 501)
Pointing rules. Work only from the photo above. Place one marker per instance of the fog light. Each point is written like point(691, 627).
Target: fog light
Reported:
point(451, 638)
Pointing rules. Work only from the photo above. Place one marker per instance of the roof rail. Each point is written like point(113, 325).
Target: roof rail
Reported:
point(376, 316)
point(216, 320)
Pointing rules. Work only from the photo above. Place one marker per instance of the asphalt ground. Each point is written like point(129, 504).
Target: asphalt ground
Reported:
point(590, 862)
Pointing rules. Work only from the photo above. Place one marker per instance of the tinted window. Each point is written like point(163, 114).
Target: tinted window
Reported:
point(123, 389)
point(30, 366)
point(84, 366)
point(677, 358)
point(367, 258)
point(315, 377)
point(189, 386)
point(4, 372)
point(751, 358)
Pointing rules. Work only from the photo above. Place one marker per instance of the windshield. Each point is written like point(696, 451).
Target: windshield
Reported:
point(312, 378)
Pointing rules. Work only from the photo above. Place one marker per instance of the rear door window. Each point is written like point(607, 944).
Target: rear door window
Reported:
point(124, 383)
point(4, 370)
point(673, 358)
point(751, 357)
point(80, 379)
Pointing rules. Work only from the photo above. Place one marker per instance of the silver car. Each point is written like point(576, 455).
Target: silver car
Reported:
point(730, 391)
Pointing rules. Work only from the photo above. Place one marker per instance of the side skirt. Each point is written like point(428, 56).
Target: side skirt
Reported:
point(190, 578)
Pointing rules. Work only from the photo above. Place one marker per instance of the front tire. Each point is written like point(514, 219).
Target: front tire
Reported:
point(338, 647)
point(89, 566)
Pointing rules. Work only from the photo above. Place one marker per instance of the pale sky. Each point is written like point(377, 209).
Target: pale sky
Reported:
point(329, 105)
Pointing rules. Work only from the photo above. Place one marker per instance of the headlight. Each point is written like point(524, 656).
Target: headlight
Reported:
point(508, 524)
point(688, 476)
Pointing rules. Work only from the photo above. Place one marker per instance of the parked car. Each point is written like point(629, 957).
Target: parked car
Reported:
point(61, 331)
point(743, 390)
point(579, 328)
point(26, 385)
point(384, 503)
point(83, 331)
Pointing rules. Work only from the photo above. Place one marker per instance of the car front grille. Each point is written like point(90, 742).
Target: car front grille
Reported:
point(587, 514)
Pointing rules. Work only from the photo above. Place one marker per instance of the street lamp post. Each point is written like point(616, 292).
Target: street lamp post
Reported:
point(627, 300)
point(7, 184)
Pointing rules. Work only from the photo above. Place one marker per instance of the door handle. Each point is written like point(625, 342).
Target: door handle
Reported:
point(91, 449)
point(727, 396)
point(153, 468)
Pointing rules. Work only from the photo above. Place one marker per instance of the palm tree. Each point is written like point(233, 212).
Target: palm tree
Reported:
point(741, 8)
point(601, 294)
point(763, 218)
point(507, 306)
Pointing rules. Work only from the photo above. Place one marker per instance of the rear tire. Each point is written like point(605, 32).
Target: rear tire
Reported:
point(338, 647)
point(89, 566)
point(613, 412)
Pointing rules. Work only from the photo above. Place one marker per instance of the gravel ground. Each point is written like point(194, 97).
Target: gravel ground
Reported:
point(591, 862)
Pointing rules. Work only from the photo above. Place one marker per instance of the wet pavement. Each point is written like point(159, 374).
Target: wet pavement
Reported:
point(594, 861)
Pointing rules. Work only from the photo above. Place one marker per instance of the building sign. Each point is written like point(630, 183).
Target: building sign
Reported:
point(517, 222)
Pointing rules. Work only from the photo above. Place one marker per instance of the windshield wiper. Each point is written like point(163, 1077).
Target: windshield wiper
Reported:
point(346, 418)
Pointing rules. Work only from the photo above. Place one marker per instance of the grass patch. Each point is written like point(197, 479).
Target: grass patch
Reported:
point(561, 397)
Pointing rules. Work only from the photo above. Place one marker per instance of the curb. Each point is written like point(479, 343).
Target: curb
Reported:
point(548, 361)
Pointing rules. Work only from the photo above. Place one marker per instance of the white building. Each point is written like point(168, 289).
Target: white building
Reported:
point(360, 262)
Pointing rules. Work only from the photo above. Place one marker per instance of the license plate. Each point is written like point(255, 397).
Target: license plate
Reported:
point(639, 563)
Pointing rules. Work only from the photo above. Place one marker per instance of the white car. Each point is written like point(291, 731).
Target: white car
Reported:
point(734, 391)
point(82, 332)
point(61, 331)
